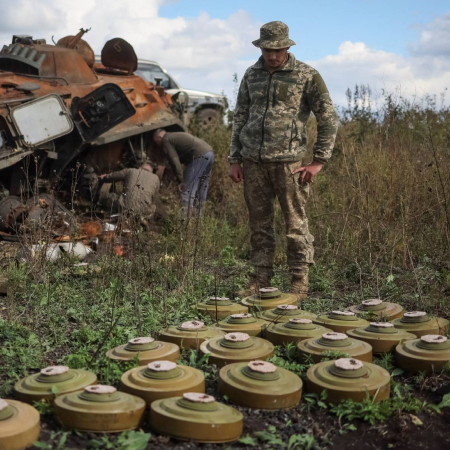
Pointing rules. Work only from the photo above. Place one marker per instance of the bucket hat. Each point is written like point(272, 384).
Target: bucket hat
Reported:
point(274, 35)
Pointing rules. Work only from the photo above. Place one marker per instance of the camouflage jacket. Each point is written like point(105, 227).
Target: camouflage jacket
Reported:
point(272, 110)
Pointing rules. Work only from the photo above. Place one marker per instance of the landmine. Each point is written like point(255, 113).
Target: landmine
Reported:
point(260, 385)
point(39, 386)
point(282, 314)
point(189, 335)
point(242, 323)
point(99, 409)
point(268, 298)
point(236, 347)
point(219, 308)
point(348, 379)
point(19, 425)
point(341, 321)
point(148, 349)
point(420, 323)
point(376, 307)
point(196, 416)
point(294, 330)
point(382, 336)
point(429, 353)
point(334, 342)
point(162, 379)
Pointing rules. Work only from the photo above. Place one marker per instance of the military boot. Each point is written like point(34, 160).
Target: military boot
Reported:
point(299, 284)
point(258, 279)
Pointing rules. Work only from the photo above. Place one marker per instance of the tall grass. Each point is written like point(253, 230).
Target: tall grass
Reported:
point(383, 198)
point(379, 207)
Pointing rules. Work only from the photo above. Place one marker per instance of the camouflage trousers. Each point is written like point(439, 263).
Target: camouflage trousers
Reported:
point(263, 182)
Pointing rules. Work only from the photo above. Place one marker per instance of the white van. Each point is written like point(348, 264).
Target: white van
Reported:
point(205, 107)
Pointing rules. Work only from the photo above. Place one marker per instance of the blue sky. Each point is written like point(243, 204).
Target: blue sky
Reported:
point(318, 27)
point(402, 46)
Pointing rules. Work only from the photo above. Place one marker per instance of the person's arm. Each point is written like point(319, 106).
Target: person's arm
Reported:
point(327, 119)
point(240, 117)
point(115, 176)
point(174, 160)
point(327, 123)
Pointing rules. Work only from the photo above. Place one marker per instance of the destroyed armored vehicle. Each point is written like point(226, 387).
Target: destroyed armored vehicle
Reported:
point(64, 118)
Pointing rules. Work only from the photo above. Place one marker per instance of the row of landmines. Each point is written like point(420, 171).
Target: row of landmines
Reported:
point(175, 394)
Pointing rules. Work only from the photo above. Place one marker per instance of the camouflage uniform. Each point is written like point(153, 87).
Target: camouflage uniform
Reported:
point(269, 136)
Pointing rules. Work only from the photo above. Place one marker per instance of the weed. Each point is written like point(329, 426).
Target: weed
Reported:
point(334, 354)
point(314, 400)
point(60, 439)
point(192, 358)
point(128, 440)
point(270, 437)
point(372, 411)
point(286, 358)
point(44, 407)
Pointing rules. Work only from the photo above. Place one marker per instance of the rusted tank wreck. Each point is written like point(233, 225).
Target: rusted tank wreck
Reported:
point(60, 111)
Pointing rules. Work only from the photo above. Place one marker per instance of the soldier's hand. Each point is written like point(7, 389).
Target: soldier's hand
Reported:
point(236, 173)
point(102, 176)
point(308, 172)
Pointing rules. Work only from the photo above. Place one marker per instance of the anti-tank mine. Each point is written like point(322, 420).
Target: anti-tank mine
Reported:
point(64, 119)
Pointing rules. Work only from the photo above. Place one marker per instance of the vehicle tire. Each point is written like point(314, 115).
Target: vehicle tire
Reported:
point(208, 117)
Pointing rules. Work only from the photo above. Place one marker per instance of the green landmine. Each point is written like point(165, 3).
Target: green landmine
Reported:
point(282, 314)
point(341, 321)
point(196, 417)
point(189, 335)
point(236, 347)
point(162, 379)
point(148, 350)
point(19, 425)
point(293, 331)
point(378, 308)
point(219, 308)
point(314, 348)
point(242, 323)
point(60, 379)
point(420, 324)
point(428, 354)
point(348, 379)
point(268, 298)
point(382, 336)
point(99, 409)
point(260, 385)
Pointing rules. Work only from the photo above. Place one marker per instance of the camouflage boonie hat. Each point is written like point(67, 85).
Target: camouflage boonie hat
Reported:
point(274, 35)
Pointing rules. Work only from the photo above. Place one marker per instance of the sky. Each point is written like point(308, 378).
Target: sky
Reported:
point(399, 46)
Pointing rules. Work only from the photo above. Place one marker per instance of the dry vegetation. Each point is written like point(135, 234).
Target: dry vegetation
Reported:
point(379, 212)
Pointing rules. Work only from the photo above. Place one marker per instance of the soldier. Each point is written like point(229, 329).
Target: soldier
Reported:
point(198, 159)
point(275, 99)
point(140, 188)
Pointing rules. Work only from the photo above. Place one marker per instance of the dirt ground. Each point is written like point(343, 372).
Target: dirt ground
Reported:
point(398, 433)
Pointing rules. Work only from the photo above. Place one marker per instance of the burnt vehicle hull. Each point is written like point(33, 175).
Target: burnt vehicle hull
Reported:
point(59, 114)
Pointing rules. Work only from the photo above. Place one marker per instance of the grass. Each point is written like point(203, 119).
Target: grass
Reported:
point(379, 213)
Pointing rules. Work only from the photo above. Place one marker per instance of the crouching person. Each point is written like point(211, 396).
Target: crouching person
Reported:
point(198, 159)
point(140, 188)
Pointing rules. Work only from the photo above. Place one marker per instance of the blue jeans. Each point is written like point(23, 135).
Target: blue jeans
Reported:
point(196, 180)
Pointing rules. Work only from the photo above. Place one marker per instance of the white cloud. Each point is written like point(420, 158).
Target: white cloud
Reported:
point(435, 39)
point(20, 17)
point(356, 63)
point(204, 52)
